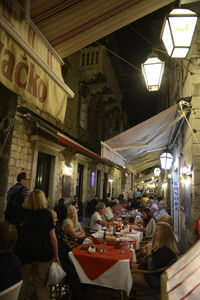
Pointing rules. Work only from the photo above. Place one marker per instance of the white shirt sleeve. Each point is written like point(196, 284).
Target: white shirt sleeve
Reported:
point(93, 222)
point(108, 214)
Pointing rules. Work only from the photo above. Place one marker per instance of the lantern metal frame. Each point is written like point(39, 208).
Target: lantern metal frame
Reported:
point(152, 61)
point(168, 32)
point(168, 157)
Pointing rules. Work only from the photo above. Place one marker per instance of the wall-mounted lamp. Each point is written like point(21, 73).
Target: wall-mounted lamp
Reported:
point(177, 31)
point(157, 172)
point(169, 176)
point(110, 180)
point(68, 170)
point(166, 160)
point(152, 70)
point(186, 175)
point(164, 185)
point(186, 171)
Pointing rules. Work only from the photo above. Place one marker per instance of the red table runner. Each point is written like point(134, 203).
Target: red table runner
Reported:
point(95, 264)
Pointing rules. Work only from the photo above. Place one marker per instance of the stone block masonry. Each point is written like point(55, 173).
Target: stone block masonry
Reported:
point(20, 153)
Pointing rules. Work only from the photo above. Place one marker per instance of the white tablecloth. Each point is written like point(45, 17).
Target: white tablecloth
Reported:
point(137, 235)
point(118, 277)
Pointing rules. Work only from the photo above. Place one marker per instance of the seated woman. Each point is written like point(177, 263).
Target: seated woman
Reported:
point(96, 221)
point(149, 222)
point(122, 206)
point(71, 227)
point(163, 252)
point(129, 206)
point(10, 265)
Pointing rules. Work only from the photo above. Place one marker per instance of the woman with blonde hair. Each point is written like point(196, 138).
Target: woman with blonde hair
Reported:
point(160, 253)
point(71, 227)
point(37, 246)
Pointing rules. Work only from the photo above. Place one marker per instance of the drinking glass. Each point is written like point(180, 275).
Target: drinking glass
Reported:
point(103, 245)
point(125, 247)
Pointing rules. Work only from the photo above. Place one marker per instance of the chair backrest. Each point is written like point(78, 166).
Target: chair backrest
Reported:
point(12, 292)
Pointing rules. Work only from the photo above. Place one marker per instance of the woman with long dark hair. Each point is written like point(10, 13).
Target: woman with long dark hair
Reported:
point(149, 222)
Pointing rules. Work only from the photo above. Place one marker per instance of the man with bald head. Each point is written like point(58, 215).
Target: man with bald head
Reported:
point(161, 210)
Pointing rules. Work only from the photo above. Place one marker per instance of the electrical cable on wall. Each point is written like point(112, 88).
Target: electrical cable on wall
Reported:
point(191, 129)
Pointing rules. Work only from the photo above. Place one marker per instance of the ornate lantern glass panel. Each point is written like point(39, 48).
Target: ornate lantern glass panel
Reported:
point(177, 32)
point(152, 70)
point(166, 160)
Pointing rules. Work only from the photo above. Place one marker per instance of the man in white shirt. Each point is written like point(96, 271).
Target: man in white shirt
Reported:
point(153, 205)
point(108, 216)
point(96, 221)
point(161, 210)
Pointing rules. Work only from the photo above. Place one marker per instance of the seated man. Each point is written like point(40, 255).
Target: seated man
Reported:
point(10, 265)
point(166, 219)
point(108, 216)
point(96, 221)
point(161, 210)
point(153, 205)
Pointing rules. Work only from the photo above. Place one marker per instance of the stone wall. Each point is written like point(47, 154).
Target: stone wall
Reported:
point(8, 103)
point(185, 82)
point(20, 152)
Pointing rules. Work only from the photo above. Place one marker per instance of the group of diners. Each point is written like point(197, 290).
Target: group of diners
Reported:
point(39, 242)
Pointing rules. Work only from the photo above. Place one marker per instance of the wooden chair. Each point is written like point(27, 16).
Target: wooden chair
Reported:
point(12, 292)
point(138, 292)
point(145, 240)
point(90, 229)
point(70, 244)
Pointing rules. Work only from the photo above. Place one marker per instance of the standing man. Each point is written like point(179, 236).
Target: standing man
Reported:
point(15, 198)
point(130, 194)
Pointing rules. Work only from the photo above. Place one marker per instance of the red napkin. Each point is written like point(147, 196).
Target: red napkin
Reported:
point(97, 263)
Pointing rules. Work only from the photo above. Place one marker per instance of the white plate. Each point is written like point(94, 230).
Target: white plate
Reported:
point(136, 227)
point(98, 235)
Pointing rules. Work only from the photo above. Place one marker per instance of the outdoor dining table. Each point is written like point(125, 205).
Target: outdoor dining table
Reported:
point(138, 235)
point(109, 269)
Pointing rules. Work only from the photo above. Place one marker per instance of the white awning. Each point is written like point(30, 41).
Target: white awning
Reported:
point(141, 146)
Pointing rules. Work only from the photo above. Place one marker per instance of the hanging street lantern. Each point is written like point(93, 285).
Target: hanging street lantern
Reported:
point(166, 160)
point(157, 172)
point(177, 32)
point(152, 70)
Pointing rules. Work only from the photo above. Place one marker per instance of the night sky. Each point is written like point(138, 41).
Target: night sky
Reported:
point(139, 103)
